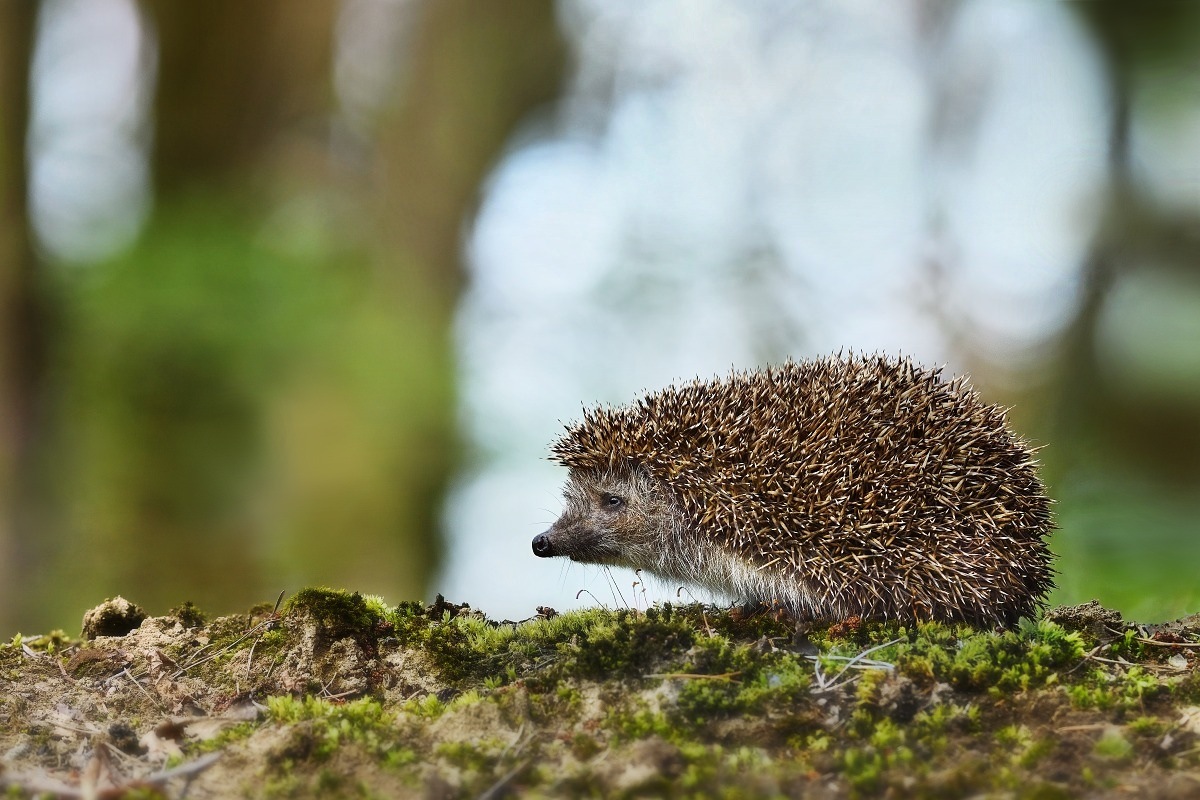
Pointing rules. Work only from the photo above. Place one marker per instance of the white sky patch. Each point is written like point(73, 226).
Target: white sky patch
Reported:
point(1024, 210)
point(89, 180)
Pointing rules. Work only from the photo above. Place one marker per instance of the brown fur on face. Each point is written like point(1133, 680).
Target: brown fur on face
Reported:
point(617, 517)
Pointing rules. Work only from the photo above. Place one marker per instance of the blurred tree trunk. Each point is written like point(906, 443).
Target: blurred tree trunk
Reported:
point(243, 92)
point(1080, 407)
point(21, 351)
point(234, 82)
point(1138, 233)
point(476, 70)
point(233, 77)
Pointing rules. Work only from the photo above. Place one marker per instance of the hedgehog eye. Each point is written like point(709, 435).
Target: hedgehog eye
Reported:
point(612, 502)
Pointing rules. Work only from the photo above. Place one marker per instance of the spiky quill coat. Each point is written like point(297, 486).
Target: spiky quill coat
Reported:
point(850, 485)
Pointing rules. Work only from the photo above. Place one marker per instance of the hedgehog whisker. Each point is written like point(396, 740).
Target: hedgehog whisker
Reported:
point(588, 592)
point(616, 589)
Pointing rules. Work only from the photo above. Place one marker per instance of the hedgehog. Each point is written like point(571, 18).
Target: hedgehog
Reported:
point(848, 486)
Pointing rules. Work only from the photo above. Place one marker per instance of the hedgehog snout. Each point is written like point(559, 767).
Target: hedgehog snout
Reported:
point(573, 538)
point(542, 548)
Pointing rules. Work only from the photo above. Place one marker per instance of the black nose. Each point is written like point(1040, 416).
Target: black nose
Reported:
point(541, 546)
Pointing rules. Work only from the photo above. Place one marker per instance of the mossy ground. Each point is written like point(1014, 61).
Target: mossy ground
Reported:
point(335, 694)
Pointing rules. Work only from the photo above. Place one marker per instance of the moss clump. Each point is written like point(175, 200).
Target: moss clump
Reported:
point(341, 614)
point(731, 679)
point(231, 735)
point(934, 725)
point(641, 722)
point(1102, 690)
point(1025, 748)
point(471, 756)
point(114, 617)
point(189, 615)
point(467, 648)
point(1188, 688)
point(321, 727)
point(997, 662)
point(1113, 746)
point(628, 645)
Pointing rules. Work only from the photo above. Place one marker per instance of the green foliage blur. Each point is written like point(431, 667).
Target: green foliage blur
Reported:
point(254, 393)
point(232, 404)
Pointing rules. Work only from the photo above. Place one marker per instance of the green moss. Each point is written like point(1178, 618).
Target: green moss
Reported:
point(1147, 726)
point(1188, 689)
point(189, 615)
point(1127, 647)
point(272, 640)
point(1025, 750)
point(932, 723)
point(639, 723)
point(208, 653)
point(886, 746)
point(340, 614)
point(861, 708)
point(622, 644)
point(466, 648)
point(1035, 752)
point(1113, 746)
point(474, 756)
point(570, 698)
point(10, 652)
point(398, 757)
point(429, 706)
point(759, 684)
point(995, 662)
point(1013, 736)
point(51, 643)
point(584, 747)
point(1102, 690)
point(231, 735)
point(144, 793)
point(863, 768)
point(701, 699)
point(328, 781)
point(283, 784)
point(329, 726)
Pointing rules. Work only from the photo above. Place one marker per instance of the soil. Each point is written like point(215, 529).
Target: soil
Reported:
point(334, 694)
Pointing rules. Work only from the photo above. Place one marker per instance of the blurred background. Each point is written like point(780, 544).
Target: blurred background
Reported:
point(299, 293)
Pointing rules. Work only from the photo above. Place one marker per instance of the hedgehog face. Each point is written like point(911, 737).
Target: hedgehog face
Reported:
point(617, 518)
